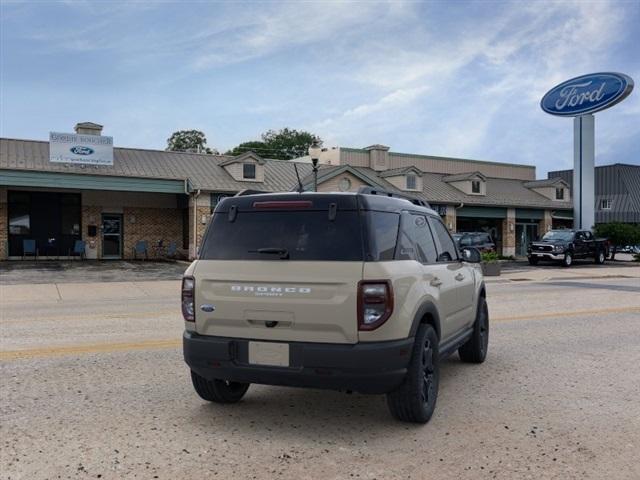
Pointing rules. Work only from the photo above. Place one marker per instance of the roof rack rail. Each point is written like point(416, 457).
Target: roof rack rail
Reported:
point(248, 191)
point(386, 193)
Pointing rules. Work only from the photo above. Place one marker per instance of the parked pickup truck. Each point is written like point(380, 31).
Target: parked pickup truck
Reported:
point(566, 245)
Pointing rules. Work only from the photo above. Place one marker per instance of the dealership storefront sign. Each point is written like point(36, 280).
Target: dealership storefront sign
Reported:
point(580, 98)
point(80, 149)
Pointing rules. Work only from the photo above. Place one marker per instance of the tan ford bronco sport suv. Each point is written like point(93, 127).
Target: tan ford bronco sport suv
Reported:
point(360, 292)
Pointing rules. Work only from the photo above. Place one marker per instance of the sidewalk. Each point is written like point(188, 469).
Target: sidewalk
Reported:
point(70, 292)
point(523, 272)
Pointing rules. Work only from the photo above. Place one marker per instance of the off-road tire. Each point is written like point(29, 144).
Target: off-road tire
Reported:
point(533, 261)
point(567, 261)
point(218, 391)
point(415, 400)
point(600, 257)
point(475, 349)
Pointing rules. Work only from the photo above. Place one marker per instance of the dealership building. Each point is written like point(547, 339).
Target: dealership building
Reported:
point(79, 187)
point(617, 192)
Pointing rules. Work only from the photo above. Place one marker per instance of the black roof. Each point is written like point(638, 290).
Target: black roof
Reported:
point(320, 201)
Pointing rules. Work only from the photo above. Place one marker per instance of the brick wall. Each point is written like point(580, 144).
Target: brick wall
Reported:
point(509, 233)
point(92, 216)
point(152, 225)
point(450, 218)
point(202, 210)
point(546, 223)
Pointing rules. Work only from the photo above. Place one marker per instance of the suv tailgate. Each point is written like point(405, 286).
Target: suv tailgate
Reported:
point(310, 301)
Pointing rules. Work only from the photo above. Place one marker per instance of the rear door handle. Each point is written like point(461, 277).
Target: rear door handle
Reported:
point(459, 277)
point(436, 282)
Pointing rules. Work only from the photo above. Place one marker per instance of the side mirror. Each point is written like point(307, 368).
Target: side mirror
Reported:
point(471, 255)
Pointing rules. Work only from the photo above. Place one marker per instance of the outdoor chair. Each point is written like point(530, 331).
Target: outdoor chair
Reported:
point(141, 249)
point(172, 249)
point(78, 249)
point(29, 248)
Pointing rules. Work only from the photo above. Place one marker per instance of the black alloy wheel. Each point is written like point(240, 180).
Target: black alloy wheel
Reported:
point(415, 399)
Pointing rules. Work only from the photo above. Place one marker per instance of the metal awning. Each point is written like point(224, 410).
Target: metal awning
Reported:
point(29, 178)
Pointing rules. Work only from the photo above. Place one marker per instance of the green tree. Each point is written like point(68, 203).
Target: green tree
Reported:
point(188, 141)
point(256, 146)
point(619, 234)
point(283, 144)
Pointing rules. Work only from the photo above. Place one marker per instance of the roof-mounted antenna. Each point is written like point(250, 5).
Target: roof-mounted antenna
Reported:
point(300, 187)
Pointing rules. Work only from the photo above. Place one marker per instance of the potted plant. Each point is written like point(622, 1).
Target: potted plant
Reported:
point(490, 264)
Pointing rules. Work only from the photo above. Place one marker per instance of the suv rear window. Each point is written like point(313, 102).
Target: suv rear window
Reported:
point(304, 235)
point(484, 238)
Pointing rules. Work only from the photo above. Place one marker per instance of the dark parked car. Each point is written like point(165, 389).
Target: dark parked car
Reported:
point(566, 245)
point(480, 240)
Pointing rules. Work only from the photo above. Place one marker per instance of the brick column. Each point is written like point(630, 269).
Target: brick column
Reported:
point(199, 209)
point(546, 223)
point(450, 218)
point(509, 233)
point(92, 215)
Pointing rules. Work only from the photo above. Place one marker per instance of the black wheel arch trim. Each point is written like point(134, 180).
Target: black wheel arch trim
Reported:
point(427, 308)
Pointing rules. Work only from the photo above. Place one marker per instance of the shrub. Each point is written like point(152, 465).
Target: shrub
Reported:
point(619, 234)
point(489, 257)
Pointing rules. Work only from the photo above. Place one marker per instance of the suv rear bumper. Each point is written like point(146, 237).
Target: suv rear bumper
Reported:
point(376, 367)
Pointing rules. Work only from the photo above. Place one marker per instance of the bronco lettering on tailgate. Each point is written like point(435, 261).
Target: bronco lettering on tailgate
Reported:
point(268, 291)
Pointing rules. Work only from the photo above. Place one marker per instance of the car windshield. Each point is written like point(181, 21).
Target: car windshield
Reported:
point(558, 235)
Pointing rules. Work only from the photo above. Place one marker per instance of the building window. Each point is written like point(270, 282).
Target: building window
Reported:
point(70, 214)
point(559, 193)
point(411, 182)
point(344, 185)
point(215, 199)
point(475, 186)
point(605, 204)
point(19, 213)
point(249, 170)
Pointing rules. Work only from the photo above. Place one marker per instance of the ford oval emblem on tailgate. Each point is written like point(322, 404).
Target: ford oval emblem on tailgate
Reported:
point(207, 308)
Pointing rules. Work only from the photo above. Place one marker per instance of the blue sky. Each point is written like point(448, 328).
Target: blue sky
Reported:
point(460, 79)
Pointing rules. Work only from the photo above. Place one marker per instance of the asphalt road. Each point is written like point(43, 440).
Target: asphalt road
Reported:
point(96, 388)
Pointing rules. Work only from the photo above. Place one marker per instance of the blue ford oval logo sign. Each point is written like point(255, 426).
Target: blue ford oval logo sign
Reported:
point(79, 150)
point(587, 94)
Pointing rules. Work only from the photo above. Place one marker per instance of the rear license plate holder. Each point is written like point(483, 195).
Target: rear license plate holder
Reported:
point(271, 354)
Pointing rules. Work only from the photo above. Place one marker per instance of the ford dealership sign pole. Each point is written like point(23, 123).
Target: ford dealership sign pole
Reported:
point(580, 97)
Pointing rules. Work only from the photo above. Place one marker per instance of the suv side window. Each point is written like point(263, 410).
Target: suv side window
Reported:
point(424, 240)
point(588, 236)
point(446, 248)
point(466, 241)
point(383, 235)
point(416, 241)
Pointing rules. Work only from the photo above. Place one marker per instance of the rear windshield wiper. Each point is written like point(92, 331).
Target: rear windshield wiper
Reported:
point(283, 252)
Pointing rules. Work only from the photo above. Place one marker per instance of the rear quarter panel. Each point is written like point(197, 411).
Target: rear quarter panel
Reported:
point(409, 293)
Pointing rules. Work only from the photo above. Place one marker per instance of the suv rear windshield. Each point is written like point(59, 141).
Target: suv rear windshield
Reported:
point(278, 234)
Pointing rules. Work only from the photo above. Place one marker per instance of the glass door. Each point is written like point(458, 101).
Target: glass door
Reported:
point(525, 234)
point(111, 235)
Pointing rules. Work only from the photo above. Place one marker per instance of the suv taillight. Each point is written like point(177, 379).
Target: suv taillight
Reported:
point(375, 303)
point(188, 308)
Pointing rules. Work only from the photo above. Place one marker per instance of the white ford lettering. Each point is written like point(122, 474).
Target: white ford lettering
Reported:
point(269, 290)
point(569, 95)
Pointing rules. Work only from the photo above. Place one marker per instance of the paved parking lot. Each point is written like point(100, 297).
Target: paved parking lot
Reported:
point(95, 387)
point(88, 271)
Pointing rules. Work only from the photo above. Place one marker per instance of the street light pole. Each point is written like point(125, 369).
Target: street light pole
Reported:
point(314, 153)
point(314, 161)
